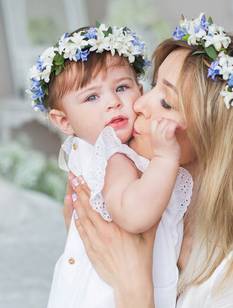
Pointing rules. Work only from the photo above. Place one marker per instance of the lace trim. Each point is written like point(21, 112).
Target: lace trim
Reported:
point(107, 145)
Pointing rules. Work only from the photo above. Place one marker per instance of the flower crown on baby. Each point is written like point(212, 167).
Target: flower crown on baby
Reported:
point(213, 42)
point(77, 47)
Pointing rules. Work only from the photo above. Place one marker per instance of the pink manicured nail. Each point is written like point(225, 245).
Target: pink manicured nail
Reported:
point(74, 197)
point(81, 180)
point(75, 215)
point(75, 182)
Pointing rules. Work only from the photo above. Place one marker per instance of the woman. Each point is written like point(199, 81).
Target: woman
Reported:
point(199, 89)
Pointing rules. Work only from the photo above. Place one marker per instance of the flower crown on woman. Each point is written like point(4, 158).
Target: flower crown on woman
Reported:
point(212, 41)
point(77, 46)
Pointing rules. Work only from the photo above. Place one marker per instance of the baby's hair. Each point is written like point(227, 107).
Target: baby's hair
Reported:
point(93, 46)
point(77, 75)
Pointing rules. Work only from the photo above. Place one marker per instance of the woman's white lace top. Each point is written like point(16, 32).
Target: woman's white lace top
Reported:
point(75, 282)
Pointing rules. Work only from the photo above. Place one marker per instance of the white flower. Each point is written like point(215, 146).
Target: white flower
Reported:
point(69, 50)
point(226, 65)
point(195, 36)
point(100, 44)
point(34, 73)
point(217, 37)
point(46, 73)
point(48, 55)
point(78, 40)
point(228, 97)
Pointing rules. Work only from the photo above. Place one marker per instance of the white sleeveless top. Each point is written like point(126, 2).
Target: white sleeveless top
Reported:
point(76, 283)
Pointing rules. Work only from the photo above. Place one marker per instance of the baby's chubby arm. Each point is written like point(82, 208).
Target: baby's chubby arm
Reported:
point(137, 203)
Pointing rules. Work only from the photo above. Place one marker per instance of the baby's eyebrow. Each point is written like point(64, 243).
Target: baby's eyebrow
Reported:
point(87, 89)
point(124, 78)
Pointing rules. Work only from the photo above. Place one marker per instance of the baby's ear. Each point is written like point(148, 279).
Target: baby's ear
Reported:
point(60, 120)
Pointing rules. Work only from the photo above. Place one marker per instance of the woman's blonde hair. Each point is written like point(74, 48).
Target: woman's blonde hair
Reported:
point(210, 130)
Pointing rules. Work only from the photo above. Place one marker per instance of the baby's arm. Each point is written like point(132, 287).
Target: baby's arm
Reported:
point(137, 203)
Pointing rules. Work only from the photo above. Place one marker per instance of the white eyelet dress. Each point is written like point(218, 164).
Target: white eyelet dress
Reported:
point(76, 283)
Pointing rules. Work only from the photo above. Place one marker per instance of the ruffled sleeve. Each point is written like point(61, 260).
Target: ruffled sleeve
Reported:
point(107, 145)
point(64, 153)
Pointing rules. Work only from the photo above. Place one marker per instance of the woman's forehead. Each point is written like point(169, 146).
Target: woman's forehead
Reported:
point(172, 65)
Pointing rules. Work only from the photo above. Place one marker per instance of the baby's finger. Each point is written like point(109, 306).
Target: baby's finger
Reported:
point(170, 129)
point(154, 126)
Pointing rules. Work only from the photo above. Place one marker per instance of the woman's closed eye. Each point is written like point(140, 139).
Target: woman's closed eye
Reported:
point(153, 84)
point(165, 104)
point(122, 88)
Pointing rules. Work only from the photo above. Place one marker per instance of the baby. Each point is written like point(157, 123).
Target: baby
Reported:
point(88, 84)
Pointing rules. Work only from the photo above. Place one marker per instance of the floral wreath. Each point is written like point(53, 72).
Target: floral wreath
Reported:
point(77, 46)
point(213, 42)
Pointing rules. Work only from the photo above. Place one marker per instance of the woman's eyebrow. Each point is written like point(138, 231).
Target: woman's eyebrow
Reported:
point(170, 85)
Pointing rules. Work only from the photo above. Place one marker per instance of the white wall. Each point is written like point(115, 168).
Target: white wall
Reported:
point(5, 76)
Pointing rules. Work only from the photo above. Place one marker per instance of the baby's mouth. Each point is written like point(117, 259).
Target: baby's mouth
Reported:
point(118, 122)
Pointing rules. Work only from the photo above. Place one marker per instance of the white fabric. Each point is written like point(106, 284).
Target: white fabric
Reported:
point(208, 295)
point(78, 285)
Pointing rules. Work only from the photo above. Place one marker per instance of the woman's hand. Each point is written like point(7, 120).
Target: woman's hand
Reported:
point(122, 259)
point(68, 202)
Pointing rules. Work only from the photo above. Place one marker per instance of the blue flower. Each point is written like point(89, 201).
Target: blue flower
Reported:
point(40, 106)
point(204, 23)
point(179, 33)
point(82, 54)
point(37, 91)
point(91, 34)
point(136, 42)
point(213, 70)
point(35, 83)
point(40, 65)
point(230, 81)
point(147, 63)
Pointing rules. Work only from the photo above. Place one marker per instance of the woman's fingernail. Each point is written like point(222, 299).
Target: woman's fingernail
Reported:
point(75, 215)
point(74, 197)
point(75, 182)
point(81, 180)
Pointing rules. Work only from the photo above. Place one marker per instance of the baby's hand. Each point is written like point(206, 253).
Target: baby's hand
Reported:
point(164, 140)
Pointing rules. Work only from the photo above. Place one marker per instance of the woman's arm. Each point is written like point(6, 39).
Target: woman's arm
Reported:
point(122, 259)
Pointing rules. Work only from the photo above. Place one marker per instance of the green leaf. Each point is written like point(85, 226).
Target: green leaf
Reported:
point(97, 23)
point(211, 52)
point(58, 70)
point(58, 59)
point(210, 20)
point(185, 37)
point(46, 91)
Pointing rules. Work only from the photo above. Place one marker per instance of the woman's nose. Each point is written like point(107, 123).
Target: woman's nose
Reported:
point(141, 106)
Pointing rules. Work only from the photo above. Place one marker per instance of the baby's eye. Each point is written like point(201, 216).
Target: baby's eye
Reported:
point(122, 88)
point(91, 98)
point(164, 104)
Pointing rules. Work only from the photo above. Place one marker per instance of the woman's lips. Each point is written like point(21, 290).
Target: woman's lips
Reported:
point(118, 122)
